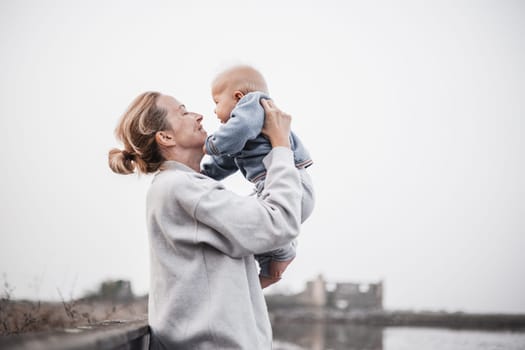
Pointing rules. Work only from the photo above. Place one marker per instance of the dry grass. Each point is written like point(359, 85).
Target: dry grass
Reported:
point(23, 316)
point(29, 316)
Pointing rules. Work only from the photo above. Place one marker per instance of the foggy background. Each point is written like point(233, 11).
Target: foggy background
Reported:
point(412, 111)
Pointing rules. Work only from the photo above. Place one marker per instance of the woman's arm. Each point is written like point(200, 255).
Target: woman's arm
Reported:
point(240, 225)
point(249, 225)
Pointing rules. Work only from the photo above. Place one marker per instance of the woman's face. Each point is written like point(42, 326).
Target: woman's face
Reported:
point(186, 126)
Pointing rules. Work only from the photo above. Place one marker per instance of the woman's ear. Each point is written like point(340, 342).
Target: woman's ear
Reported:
point(238, 95)
point(165, 138)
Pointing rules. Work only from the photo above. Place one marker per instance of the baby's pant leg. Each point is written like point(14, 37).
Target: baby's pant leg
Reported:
point(264, 261)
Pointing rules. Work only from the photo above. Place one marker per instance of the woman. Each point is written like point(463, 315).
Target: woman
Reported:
point(204, 288)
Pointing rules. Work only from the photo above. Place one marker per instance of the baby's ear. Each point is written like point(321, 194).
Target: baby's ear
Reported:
point(238, 95)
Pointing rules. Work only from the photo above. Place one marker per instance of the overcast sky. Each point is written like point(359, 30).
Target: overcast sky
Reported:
point(413, 112)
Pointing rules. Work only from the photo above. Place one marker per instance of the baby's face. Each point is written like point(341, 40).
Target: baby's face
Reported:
point(225, 101)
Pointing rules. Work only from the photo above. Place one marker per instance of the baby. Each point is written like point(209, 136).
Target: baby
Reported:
point(239, 145)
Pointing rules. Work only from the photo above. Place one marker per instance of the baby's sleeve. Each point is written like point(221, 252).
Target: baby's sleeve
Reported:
point(218, 167)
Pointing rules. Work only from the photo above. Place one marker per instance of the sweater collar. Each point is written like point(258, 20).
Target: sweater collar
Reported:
point(174, 165)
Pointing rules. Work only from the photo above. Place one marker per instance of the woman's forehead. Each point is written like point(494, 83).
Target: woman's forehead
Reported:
point(171, 104)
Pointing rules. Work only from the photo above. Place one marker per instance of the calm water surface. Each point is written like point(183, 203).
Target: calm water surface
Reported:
point(303, 336)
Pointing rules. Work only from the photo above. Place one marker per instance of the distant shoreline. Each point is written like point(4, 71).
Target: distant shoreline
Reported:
point(386, 318)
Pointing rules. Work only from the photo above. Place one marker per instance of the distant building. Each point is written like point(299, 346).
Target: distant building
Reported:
point(118, 290)
point(314, 294)
point(114, 290)
point(341, 295)
point(356, 296)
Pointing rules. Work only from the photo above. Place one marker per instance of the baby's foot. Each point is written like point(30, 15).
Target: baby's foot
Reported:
point(267, 281)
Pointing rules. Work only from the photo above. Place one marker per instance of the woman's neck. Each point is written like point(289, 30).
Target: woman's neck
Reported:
point(189, 158)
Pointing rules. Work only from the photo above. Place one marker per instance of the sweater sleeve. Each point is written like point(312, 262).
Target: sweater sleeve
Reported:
point(239, 225)
point(245, 123)
point(219, 167)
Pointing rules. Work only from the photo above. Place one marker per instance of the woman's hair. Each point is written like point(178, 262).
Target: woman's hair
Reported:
point(136, 130)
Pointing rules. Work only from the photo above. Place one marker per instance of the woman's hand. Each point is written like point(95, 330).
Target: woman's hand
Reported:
point(276, 124)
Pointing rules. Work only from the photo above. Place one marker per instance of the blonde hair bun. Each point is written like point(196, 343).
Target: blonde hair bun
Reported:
point(121, 161)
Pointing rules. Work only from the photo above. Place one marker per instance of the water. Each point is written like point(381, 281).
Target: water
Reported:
point(319, 336)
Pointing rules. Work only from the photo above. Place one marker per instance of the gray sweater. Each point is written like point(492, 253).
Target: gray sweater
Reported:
point(204, 288)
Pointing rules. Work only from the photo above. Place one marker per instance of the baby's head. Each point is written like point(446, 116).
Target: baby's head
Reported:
point(231, 85)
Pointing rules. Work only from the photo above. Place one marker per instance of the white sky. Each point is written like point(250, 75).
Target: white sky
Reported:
point(413, 112)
